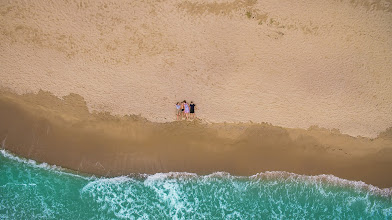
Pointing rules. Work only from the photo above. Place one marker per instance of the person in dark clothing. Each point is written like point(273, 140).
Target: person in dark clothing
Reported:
point(192, 110)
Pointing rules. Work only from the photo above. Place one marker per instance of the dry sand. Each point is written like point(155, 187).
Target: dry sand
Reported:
point(63, 132)
point(292, 64)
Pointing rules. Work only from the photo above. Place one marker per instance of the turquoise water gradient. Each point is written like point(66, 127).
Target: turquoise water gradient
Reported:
point(29, 190)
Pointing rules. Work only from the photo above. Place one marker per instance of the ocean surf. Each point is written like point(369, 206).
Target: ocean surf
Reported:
point(31, 190)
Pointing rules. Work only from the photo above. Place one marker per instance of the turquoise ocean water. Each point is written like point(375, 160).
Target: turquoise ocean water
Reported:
point(29, 190)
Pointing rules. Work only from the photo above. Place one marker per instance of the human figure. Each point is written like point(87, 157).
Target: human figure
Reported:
point(186, 110)
point(178, 110)
point(182, 109)
point(192, 111)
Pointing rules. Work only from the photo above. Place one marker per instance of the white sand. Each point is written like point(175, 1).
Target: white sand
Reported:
point(292, 64)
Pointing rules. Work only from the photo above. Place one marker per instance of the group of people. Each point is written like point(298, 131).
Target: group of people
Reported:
point(185, 110)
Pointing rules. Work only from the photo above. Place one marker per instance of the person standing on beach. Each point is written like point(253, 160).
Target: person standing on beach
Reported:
point(178, 110)
point(192, 111)
point(186, 110)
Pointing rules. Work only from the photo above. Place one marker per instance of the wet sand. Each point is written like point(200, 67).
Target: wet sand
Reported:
point(63, 132)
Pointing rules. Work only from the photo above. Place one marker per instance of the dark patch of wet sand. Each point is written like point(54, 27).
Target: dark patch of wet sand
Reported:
point(63, 132)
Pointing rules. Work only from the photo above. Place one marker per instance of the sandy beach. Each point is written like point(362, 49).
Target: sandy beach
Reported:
point(302, 87)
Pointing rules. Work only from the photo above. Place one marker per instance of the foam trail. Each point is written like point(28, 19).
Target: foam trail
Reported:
point(3, 142)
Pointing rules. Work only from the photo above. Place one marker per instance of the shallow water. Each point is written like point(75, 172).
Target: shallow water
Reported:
point(29, 190)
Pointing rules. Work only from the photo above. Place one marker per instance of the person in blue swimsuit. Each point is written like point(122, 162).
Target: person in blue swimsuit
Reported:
point(186, 110)
point(178, 110)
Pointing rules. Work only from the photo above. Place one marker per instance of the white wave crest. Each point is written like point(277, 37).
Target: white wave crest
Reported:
point(35, 164)
point(323, 178)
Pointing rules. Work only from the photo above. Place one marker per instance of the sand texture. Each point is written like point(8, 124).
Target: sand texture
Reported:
point(63, 132)
point(290, 63)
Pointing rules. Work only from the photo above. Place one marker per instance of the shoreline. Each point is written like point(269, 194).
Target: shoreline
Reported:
point(64, 133)
point(267, 175)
